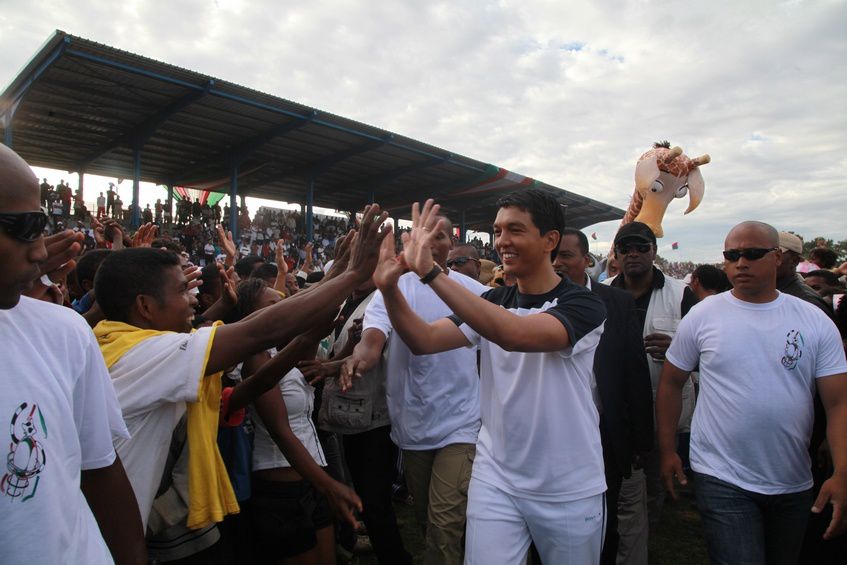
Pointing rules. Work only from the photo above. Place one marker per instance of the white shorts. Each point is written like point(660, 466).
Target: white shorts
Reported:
point(501, 526)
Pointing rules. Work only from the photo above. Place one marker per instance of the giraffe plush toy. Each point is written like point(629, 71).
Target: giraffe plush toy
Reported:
point(662, 174)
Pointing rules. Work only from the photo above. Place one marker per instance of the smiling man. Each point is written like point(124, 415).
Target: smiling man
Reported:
point(762, 355)
point(538, 472)
point(62, 478)
point(160, 371)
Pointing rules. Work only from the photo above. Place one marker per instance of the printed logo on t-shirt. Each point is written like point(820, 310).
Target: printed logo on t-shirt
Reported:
point(26, 458)
point(793, 349)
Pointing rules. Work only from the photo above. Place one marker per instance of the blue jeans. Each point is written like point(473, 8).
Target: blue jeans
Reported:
point(748, 528)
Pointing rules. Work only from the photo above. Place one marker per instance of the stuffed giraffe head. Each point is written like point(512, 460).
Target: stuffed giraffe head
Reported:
point(662, 174)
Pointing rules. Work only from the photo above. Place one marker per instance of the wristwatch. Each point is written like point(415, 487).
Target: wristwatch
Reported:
point(430, 276)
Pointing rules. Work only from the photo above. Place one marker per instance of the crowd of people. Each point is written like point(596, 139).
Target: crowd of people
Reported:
point(190, 397)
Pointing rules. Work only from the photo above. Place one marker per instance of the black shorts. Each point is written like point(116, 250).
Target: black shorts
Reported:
point(285, 517)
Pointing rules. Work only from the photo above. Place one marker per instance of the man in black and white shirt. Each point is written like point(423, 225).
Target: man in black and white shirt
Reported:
point(531, 481)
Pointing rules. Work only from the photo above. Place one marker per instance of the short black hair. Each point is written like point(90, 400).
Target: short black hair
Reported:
point(824, 257)
point(712, 278)
point(244, 266)
point(128, 273)
point(88, 264)
point(265, 271)
point(830, 277)
point(168, 244)
point(583, 241)
point(543, 208)
point(248, 293)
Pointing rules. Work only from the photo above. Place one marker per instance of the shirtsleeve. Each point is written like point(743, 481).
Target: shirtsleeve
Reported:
point(376, 315)
point(830, 358)
point(97, 414)
point(580, 313)
point(684, 351)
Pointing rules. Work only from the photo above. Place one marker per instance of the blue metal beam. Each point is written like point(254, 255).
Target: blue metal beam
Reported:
point(255, 104)
point(20, 92)
point(141, 132)
point(135, 221)
point(463, 229)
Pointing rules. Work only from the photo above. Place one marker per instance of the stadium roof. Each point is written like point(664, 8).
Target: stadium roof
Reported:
point(86, 107)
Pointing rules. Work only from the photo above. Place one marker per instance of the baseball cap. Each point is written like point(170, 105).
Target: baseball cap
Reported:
point(790, 242)
point(635, 230)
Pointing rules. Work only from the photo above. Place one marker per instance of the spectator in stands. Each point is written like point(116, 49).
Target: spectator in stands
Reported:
point(752, 474)
point(707, 280)
point(65, 490)
point(101, 206)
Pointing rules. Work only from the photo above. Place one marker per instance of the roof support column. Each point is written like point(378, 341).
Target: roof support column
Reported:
point(233, 201)
point(170, 203)
point(135, 220)
point(310, 201)
point(80, 187)
point(463, 229)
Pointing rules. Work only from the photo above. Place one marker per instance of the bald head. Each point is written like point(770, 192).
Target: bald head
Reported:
point(17, 181)
point(768, 233)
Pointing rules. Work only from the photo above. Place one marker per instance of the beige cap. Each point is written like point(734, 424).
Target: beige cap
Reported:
point(486, 270)
point(790, 242)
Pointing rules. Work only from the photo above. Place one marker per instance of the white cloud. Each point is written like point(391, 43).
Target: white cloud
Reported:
point(570, 93)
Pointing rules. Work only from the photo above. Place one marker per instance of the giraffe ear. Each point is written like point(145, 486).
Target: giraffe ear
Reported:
point(646, 171)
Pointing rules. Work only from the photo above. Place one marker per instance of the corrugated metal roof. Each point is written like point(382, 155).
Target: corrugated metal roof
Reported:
point(82, 106)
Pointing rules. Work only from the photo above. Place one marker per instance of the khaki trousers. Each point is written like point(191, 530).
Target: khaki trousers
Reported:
point(438, 480)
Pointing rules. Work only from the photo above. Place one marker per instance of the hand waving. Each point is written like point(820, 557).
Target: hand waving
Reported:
point(417, 244)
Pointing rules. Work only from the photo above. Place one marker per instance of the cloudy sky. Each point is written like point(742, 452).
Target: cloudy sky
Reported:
point(568, 92)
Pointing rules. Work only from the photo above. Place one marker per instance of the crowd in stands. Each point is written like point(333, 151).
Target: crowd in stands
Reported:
point(178, 395)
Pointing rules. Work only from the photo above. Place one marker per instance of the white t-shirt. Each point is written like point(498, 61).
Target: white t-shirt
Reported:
point(153, 381)
point(60, 415)
point(540, 436)
point(299, 397)
point(433, 400)
point(758, 365)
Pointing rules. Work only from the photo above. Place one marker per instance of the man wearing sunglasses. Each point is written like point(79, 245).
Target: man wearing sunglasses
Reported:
point(62, 478)
point(464, 258)
point(762, 355)
point(660, 303)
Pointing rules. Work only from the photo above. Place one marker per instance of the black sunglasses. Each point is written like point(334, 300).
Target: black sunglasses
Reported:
point(24, 226)
point(750, 253)
point(624, 248)
point(459, 261)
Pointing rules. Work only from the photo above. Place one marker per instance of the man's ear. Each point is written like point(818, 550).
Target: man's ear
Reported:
point(551, 240)
point(145, 307)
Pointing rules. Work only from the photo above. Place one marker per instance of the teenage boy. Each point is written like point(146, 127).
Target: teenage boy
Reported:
point(538, 472)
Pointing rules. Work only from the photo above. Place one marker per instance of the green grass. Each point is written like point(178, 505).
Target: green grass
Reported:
point(679, 540)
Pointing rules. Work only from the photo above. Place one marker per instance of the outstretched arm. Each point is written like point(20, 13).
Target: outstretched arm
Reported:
point(294, 315)
point(537, 332)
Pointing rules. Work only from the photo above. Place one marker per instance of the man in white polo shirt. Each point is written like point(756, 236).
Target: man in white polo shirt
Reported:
point(438, 437)
point(538, 472)
point(762, 357)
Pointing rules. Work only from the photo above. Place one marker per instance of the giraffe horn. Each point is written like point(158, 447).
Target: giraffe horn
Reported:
point(701, 160)
point(673, 154)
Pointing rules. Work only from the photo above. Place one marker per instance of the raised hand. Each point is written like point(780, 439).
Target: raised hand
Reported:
point(364, 252)
point(145, 235)
point(62, 249)
point(227, 244)
point(192, 274)
point(281, 265)
point(342, 255)
point(417, 244)
point(228, 284)
point(389, 268)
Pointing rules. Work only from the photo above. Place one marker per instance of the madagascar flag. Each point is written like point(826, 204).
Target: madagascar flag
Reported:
point(675, 245)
